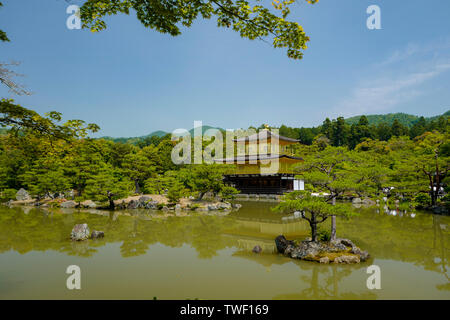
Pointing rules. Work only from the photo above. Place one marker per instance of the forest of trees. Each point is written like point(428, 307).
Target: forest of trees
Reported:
point(342, 132)
point(45, 157)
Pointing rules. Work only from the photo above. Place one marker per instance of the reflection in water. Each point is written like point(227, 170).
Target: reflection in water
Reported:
point(223, 245)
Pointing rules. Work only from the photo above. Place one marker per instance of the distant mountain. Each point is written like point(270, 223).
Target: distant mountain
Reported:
point(134, 140)
point(158, 133)
point(406, 119)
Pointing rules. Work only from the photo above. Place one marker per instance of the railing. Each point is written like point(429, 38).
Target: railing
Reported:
point(263, 190)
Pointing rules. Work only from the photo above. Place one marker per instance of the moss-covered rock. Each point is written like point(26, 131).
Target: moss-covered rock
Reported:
point(337, 251)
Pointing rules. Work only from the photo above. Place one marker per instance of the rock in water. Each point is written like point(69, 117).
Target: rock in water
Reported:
point(336, 251)
point(282, 243)
point(97, 234)
point(324, 260)
point(22, 195)
point(80, 232)
point(257, 249)
point(346, 259)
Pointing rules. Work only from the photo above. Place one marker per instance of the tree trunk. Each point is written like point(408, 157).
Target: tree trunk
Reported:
point(333, 224)
point(313, 225)
point(136, 185)
point(111, 201)
point(333, 228)
point(200, 196)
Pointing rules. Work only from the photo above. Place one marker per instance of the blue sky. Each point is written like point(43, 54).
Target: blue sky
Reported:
point(131, 80)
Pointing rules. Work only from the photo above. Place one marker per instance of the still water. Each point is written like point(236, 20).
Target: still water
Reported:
point(145, 255)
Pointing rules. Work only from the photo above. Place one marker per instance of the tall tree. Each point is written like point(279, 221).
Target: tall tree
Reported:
point(107, 185)
point(315, 210)
point(138, 168)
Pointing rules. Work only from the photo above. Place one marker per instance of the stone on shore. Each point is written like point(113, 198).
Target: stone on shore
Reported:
point(80, 232)
point(22, 195)
point(68, 204)
point(88, 204)
point(144, 199)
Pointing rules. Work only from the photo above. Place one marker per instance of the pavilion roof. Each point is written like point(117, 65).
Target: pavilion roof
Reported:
point(257, 157)
point(265, 135)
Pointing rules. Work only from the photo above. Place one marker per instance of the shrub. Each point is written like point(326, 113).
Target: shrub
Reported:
point(323, 235)
point(422, 200)
point(8, 194)
point(175, 193)
point(229, 193)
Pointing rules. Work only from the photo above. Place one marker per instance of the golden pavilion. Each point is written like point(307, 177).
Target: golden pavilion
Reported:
point(266, 165)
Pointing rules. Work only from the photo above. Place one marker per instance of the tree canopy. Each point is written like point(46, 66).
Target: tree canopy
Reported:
point(250, 20)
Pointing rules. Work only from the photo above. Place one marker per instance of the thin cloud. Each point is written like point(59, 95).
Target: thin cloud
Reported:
point(412, 67)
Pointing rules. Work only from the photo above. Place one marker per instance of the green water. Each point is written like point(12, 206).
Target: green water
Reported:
point(144, 255)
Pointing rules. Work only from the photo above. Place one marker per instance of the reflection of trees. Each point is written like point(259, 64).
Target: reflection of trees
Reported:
point(439, 246)
point(133, 244)
point(421, 239)
point(324, 283)
point(42, 230)
point(416, 238)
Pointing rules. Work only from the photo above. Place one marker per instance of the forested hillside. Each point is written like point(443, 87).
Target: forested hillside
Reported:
point(405, 119)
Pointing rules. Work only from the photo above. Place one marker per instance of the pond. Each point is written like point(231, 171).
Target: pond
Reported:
point(146, 255)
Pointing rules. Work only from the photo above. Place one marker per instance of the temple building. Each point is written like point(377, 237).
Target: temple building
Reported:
point(266, 165)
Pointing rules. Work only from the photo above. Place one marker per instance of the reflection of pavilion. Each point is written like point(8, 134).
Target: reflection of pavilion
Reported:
point(250, 232)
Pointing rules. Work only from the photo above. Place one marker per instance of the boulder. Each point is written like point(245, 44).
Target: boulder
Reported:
point(97, 234)
point(152, 205)
point(356, 200)
point(338, 251)
point(257, 249)
point(224, 206)
point(368, 202)
point(133, 204)
point(346, 259)
point(80, 232)
point(68, 204)
point(212, 207)
point(236, 205)
point(22, 195)
point(324, 260)
point(363, 255)
point(144, 199)
point(88, 204)
point(282, 243)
